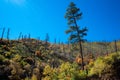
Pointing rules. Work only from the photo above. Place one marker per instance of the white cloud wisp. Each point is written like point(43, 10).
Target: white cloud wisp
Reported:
point(16, 2)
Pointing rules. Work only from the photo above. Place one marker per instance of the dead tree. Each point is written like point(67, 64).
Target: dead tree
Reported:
point(8, 33)
point(20, 35)
point(115, 46)
point(29, 36)
point(3, 33)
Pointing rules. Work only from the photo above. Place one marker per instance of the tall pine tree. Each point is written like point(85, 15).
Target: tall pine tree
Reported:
point(73, 14)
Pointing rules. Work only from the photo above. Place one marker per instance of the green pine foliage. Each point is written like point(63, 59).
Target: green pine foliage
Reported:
point(76, 32)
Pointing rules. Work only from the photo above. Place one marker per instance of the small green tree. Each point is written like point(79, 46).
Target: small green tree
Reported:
point(77, 34)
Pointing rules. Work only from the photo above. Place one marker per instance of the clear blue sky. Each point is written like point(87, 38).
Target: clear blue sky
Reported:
point(38, 17)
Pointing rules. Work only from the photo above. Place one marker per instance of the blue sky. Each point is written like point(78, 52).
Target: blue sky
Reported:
point(38, 17)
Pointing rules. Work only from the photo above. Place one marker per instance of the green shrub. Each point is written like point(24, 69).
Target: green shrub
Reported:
point(17, 57)
point(103, 64)
point(34, 77)
point(2, 57)
point(23, 63)
point(7, 54)
point(98, 67)
point(50, 73)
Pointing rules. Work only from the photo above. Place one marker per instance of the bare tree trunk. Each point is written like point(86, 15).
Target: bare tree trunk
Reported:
point(3, 33)
point(63, 49)
point(115, 46)
point(20, 35)
point(8, 33)
point(29, 36)
point(55, 41)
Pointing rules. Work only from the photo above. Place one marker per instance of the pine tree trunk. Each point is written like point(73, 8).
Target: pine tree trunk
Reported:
point(80, 44)
point(81, 53)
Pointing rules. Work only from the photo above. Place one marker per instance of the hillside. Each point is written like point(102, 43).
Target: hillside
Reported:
point(31, 59)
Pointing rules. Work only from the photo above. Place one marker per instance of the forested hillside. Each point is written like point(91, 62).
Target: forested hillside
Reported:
point(31, 59)
point(79, 55)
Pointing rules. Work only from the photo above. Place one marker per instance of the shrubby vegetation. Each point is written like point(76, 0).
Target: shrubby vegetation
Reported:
point(65, 71)
point(106, 67)
point(18, 61)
